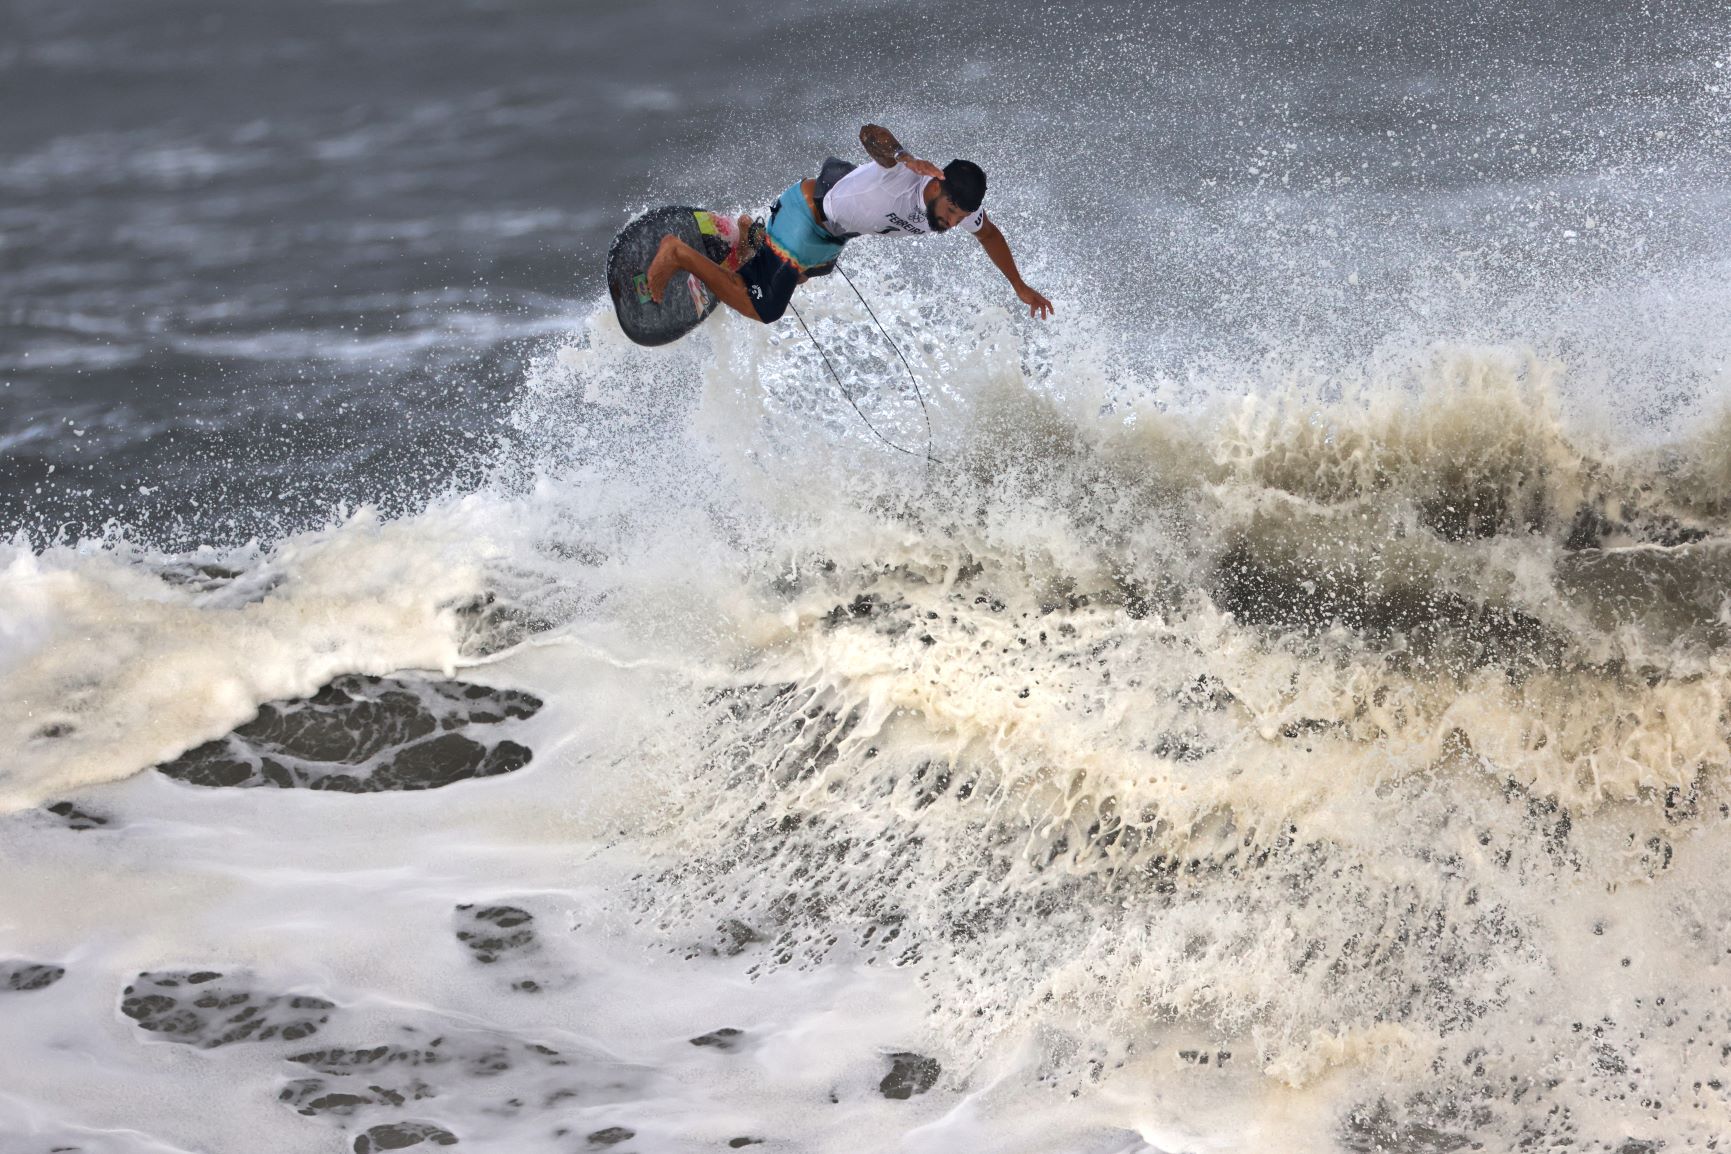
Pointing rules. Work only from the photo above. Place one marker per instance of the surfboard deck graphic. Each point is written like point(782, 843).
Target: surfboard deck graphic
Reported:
point(687, 302)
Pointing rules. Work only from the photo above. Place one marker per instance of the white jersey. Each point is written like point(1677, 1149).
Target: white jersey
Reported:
point(885, 201)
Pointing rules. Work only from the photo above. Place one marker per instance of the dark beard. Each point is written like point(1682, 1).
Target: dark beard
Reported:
point(932, 220)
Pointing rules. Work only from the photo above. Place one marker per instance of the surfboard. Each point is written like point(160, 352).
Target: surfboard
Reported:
point(687, 301)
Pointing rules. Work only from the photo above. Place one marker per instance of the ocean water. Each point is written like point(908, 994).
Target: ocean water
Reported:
point(1288, 710)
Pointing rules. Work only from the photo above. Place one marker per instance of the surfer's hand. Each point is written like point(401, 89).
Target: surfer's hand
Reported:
point(923, 167)
point(1038, 306)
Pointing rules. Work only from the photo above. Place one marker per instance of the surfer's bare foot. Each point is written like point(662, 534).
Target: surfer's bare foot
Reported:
point(662, 268)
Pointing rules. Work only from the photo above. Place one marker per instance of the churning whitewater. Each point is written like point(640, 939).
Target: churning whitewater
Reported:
point(1311, 769)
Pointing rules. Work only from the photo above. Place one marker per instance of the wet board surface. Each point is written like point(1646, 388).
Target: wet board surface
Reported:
point(687, 302)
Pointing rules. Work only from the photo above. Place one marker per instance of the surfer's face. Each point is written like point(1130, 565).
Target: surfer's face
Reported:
point(942, 213)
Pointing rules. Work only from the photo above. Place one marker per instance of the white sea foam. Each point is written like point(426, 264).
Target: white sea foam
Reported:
point(113, 666)
point(1335, 763)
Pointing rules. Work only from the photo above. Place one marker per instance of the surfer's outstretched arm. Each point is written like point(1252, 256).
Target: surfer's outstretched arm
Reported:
point(675, 255)
point(991, 239)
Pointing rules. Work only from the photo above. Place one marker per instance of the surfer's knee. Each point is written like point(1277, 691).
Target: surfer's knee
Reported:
point(769, 280)
point(770, 310)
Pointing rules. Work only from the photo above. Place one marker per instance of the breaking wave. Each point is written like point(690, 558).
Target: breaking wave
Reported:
point(1341, 761)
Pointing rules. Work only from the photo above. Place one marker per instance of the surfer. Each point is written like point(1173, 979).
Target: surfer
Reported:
point(900, 195)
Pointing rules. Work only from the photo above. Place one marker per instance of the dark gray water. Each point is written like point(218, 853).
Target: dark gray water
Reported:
point(263, 258)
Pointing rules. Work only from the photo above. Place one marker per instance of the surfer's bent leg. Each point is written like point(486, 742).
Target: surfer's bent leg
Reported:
point(770, 278)
point(675, 255)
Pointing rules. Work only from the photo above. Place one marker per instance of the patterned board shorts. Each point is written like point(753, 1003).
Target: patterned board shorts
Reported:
point(794, 247)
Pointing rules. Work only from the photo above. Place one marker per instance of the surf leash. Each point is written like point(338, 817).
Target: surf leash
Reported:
point(918, 393)
point(822, 352)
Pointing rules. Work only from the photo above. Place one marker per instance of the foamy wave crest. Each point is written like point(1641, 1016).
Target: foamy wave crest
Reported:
point(1360, 589)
